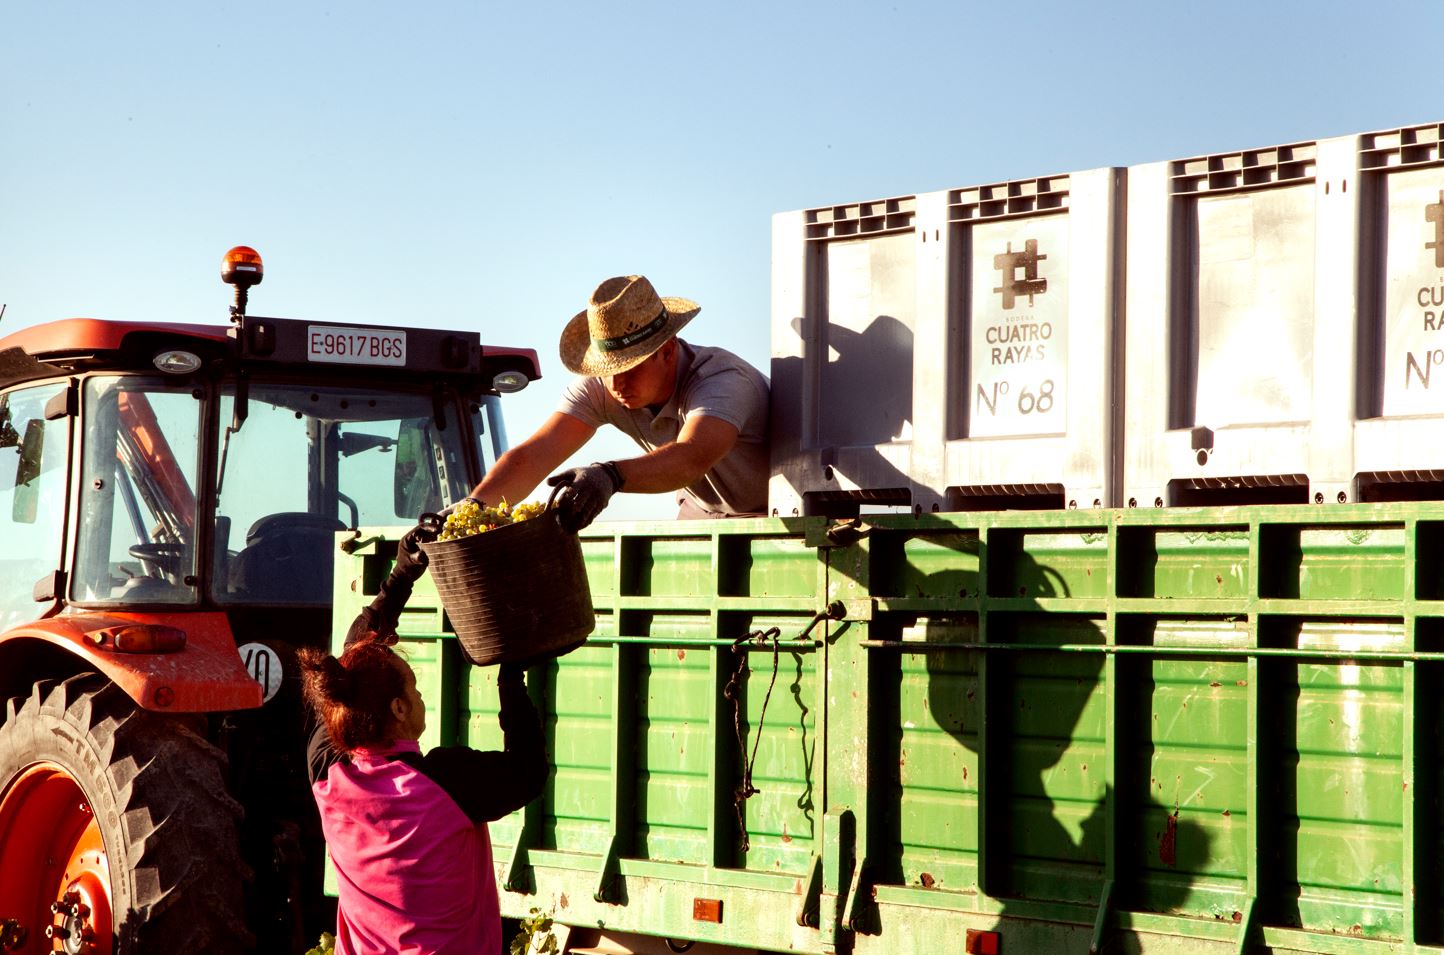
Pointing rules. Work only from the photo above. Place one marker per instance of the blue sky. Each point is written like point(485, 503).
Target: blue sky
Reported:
point(483, 165)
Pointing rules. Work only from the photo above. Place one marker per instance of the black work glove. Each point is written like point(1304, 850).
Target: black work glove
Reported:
point(410, 558)
point(587, 491)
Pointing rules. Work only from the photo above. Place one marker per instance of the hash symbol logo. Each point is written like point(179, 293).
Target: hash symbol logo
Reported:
point(1010, 262)
point(1434, 212)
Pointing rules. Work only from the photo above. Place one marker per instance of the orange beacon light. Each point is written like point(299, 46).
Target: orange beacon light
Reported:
point(242, 268)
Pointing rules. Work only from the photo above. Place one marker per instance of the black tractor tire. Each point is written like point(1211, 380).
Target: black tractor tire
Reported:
point(158, 793)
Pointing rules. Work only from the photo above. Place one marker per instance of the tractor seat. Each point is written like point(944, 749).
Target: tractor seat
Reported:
point(288, 558)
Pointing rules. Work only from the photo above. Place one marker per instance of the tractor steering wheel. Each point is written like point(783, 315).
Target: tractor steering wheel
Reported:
point(164, 556)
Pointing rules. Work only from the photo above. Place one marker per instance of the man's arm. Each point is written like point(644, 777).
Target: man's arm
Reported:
point(517, 472)
point(702, 442)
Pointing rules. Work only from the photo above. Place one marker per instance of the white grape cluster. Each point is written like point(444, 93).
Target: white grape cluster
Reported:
point(471, 518)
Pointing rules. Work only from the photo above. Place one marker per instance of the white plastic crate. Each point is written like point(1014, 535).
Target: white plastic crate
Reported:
point(1401, 315)
point(1256, 326)
point(949, 350)
point(1240, 348)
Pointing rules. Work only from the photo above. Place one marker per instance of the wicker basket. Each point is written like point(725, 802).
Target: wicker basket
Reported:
point(515, 594)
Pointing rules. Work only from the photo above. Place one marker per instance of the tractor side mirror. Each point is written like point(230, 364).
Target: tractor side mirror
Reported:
point(27, 490)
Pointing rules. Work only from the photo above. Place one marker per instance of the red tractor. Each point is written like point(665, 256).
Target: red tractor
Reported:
point(168, 528)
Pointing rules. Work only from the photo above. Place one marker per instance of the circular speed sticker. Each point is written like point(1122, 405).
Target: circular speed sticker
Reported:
point(264, 665)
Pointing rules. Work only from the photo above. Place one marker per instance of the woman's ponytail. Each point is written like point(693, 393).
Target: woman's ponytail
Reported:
point(352, 695)
point(335, 681)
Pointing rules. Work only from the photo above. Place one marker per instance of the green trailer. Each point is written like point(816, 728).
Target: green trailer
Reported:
point(1156, 730)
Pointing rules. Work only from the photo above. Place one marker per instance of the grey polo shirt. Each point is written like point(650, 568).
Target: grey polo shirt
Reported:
point(711, 382)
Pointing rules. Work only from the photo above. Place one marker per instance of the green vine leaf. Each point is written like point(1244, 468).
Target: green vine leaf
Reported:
point(535, 936)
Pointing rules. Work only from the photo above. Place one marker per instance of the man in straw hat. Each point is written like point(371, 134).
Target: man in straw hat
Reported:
point(700, 414)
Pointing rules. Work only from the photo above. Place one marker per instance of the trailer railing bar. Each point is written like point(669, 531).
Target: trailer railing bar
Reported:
point(790, 644)
point(918, 646)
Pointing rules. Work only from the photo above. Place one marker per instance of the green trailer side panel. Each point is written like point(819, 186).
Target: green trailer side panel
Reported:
point(1172, 730)
point(766, 566)
point(936, 790)
point(1336, 562)
point(1206, 561)
point(600, 559)
point(935, 565)
point(1045, 563)
point(1050, 710)
point(1183, 786)
point(674, 754)
point(1339, 809)
point(578, 725)
point(667, 566)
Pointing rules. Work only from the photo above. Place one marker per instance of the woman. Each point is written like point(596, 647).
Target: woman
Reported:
point(407, 832)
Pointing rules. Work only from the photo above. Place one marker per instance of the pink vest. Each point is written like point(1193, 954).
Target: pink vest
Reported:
point(415, 875)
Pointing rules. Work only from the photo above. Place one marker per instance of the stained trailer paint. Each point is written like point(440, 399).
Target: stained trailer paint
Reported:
point(1170, 730)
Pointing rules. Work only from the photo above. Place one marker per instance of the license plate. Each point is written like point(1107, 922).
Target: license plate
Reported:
point(355, 346)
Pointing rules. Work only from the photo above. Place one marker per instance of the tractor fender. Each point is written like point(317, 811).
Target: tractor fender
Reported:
point(205, 676)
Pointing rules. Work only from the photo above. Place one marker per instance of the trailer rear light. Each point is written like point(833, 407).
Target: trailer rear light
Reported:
point(509, 382)
point(979, 942)
point(142, 638)
point(177, 362)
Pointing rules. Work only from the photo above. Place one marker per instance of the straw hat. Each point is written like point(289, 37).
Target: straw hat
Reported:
point(624, 322)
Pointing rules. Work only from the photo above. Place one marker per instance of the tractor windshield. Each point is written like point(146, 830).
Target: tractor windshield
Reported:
point(137, 492)
point(299, 463)
point(308, 461)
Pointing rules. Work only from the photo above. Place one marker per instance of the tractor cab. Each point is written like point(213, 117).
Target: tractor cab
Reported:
point(172, 499)
point(169, 467)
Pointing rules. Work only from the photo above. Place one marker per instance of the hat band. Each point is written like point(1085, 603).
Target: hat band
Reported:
point(631, 338)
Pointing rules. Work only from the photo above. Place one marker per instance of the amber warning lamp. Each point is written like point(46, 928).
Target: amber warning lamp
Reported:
point(242, 268)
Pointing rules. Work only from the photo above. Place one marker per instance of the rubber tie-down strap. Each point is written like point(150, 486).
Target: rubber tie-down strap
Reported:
point(733, 692)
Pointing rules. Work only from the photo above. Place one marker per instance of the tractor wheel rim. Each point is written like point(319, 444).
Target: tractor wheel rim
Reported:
point(53, 861)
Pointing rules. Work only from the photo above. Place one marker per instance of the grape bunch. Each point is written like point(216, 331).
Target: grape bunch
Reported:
point(471, 518)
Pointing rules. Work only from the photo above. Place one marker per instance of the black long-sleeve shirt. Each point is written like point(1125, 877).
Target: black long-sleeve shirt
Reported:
point(486, 785)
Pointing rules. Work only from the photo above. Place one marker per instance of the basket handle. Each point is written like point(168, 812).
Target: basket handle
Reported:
point(551, 501)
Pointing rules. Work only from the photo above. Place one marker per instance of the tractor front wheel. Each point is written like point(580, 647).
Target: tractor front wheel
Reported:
point(117, 836)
